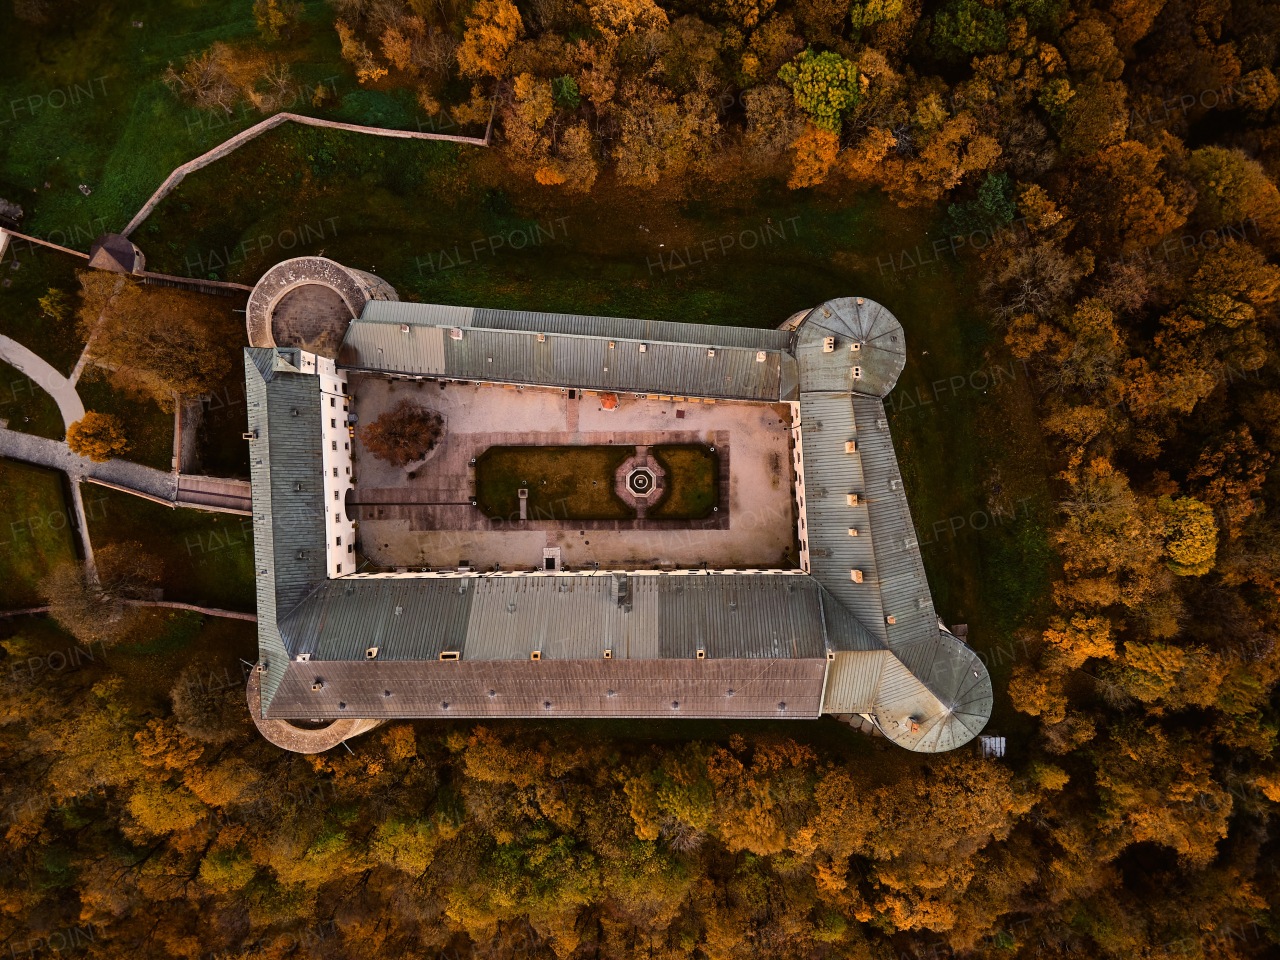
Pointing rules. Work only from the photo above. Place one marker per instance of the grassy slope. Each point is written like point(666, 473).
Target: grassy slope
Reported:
point(91, 107)
point(207, 557)
point(36, 533)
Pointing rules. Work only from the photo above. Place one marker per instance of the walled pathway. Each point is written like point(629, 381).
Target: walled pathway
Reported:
point(50, 380)
point(270, 123)
point(54, 454)
point(167, 604)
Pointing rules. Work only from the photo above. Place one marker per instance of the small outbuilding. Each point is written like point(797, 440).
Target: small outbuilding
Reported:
point(118, 254)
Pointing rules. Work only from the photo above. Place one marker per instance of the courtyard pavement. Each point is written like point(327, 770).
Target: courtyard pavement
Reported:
point(427, 520)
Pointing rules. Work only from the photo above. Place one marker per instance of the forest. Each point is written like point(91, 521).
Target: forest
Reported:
point(1110, 170)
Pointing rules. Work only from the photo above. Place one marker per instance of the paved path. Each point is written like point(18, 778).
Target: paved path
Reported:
point(57, 456)
point(50, 380)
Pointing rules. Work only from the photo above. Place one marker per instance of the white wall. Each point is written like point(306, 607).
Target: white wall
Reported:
point(340, 532)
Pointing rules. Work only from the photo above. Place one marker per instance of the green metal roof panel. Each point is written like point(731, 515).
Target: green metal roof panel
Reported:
point(865, 337)
point(645, 357)
point(287, 494)
point(741, 616)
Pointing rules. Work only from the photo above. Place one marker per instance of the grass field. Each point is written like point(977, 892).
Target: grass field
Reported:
point(26, 407)
point(37, 270)
point(692, 485)
point(35, 531)
point(148, 428)
point(207, 558)
point(565, 483)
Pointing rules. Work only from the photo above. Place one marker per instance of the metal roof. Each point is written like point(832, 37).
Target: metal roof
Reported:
point(598, 353)
point(672, 689)
point(287, 493)
point(617, 328)
point(866, 339)
point(566, 616)
point(830, 475)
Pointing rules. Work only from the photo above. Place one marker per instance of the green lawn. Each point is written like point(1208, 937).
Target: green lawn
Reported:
point(148, 428)
point(693, 482)
point(565, 483)
point(36, 533)
point(30, 271)
point(86, 104)
point(28, 408)
point(207, 557)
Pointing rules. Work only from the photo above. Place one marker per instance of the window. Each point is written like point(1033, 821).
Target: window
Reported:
point(351, 548)
point(339, 542)
point(334, 443)
point(335, 471)
point(333, 402)
point(345, 446)
point(335, 494)
point(339, 568)
point(333, 423)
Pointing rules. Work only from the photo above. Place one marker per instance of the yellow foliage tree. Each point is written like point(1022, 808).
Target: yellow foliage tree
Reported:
point(368, 70)
point(617, 18)
point(815, 152)
point(98, 436)
point(1072, 643)
point(492, 29)
point(1191, 536)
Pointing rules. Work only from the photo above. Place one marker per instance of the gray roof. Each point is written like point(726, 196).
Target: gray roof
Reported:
point(589, 352)
point(288, 495)
point(672, 689)
point(880, 356)
point(568, 616)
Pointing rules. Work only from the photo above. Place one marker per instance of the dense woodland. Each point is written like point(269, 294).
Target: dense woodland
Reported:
point(1111, 167)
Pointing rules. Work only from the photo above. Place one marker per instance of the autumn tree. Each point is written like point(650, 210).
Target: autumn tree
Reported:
point(276, 18)
point(1125, 200)
point(1111, 538)
point(358, 54)
point(161, 340)
point(663, 138)
point(825, 86)
point(404, 434)
point(1191, 535)
point(1234, 190)
point(208, 704)
point(815, 153)
point(93, 605)
point(204, 81)
point(98, 436)
point(491, 31)
point(967, 27)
